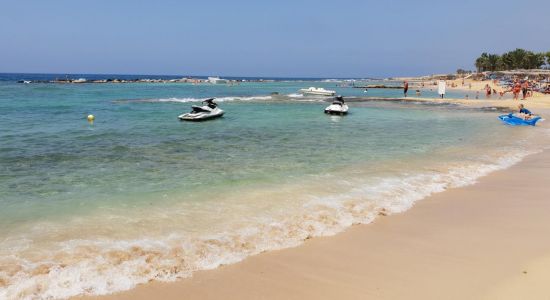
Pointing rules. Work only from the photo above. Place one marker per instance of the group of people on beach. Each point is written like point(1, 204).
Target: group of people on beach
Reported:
point(525, 87)
point(522, 87)
point(489, 91)
point(517, 87)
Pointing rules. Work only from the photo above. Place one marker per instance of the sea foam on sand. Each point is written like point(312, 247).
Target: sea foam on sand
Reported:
point(102, 266)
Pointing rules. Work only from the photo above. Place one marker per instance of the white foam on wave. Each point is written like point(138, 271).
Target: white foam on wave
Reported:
point(305, 98)
point(173, 99)
point(95, 267)
point(219, 99)
point(295, 95)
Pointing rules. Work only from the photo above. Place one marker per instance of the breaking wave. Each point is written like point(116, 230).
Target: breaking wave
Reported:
point(102, 266)
point(187, 100)
point(289, 97)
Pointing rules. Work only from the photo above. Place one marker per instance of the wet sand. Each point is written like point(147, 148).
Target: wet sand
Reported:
point(485, 241)
point(538, 102)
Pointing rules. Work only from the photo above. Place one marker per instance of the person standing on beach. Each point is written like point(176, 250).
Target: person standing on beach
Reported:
point(524, 89)
point(441, 88)
point(405, 87)
point(487, 91)
point(515, 90)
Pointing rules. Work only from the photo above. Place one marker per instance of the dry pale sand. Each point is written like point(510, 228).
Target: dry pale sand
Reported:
point(537, 100)
point(473, 87)
point(539, 104)
point(534, 103)
point(490, 240)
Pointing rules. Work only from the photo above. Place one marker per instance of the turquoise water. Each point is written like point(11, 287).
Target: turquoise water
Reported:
point(144, 196)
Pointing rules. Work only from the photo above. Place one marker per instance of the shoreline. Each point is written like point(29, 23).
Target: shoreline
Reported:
point(537, 101)
point(429, 251)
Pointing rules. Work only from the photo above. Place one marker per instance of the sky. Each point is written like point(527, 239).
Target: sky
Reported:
point(344, 38)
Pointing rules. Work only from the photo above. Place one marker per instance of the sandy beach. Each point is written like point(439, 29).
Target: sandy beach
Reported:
point(470, 87)
point(274, 150)
point(484, 241)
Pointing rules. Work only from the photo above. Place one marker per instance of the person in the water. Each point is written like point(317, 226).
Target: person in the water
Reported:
point(524, 112)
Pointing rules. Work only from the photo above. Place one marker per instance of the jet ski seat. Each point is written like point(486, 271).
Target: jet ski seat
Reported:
point(198, 109)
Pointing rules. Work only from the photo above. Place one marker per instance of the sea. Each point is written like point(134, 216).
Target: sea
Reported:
point(92, 208)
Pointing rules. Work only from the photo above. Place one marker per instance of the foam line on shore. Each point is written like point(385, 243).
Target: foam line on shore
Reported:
point(95, 267)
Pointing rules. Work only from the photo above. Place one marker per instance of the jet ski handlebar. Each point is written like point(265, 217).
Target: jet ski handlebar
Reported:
point(210, 103)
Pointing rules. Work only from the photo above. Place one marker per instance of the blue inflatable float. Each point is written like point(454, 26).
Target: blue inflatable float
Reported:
point(510, 119)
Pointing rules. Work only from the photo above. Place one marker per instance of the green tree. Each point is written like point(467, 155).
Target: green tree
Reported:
point(511, 60)
point(507, 61)
point(501, 65)
point(482, 62)
point(533, 60)
point(493, 62)
point(518, 58)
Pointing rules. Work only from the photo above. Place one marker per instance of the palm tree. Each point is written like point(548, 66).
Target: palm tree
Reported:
point(482, 62)
point(507, 61)
point(533, 60)
point(517, 58)
point(493, 61)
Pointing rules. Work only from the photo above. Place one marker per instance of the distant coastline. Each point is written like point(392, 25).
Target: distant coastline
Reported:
point(137, 78)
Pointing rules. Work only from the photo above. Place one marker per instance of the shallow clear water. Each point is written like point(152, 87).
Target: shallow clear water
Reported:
point(139, 195)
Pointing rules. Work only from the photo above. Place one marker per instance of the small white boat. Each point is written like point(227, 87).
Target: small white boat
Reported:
point(216, 80)
point(209, 110)
point(338, 107)
point(317, 91)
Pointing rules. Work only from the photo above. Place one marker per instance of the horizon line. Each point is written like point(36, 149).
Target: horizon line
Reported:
point(232, 76)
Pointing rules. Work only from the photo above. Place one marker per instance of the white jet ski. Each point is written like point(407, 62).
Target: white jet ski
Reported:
point(209, 110)
point(338, 107)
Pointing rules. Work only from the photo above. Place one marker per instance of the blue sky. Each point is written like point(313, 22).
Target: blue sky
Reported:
point(260, 38)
